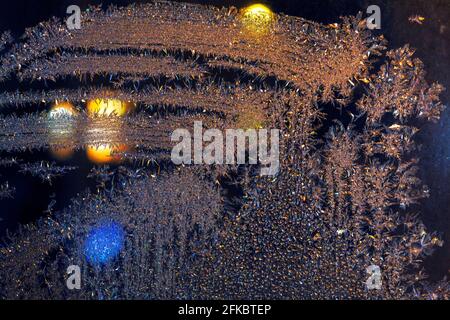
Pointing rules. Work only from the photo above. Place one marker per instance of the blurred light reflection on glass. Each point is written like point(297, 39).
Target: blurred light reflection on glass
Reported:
point(107, 152)
point(107, 107)
point(61, 124)
point(257, 19)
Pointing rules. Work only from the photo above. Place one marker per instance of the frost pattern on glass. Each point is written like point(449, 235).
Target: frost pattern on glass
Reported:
point(338, 205)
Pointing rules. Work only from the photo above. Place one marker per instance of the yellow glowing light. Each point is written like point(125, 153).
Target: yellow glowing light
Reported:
point(258, 9)
point(257, 18)
point(105, 153)
point(61, 128)
point(107, 107)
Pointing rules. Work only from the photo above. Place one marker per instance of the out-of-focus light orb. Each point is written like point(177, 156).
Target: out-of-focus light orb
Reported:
point(105, 153)
point(63, 110)
point(61, 128)
point(62, 153)
point(107, 107)
point(104, 243)
point(258, 9)
point(257, 18)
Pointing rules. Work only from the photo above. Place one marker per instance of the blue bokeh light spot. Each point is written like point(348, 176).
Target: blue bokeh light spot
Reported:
point(104, 243)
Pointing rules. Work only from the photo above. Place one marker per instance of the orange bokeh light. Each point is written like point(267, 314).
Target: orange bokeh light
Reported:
point(105, 153)
point(107, 107)
point(62, 153)
point(61, 111)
